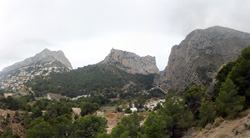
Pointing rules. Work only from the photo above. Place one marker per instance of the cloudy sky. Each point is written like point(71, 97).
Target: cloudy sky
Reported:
point(86, 30)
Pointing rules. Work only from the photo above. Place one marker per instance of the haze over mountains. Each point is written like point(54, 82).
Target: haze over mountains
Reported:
point(195, 61)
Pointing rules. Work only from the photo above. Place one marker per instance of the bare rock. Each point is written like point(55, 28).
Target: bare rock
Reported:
point(198, 58)
point(131, 63)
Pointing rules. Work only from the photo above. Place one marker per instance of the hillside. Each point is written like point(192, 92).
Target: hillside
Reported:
point(92, 79)
point(197, 59)
point(226, 129)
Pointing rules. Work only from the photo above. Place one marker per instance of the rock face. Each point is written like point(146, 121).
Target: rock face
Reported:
point(131, 63)
point(197, 59)
point(45, 56)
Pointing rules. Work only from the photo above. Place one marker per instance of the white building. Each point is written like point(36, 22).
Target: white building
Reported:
point(133, 109)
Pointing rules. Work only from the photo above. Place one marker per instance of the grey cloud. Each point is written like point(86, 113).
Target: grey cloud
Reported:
point(28, 26)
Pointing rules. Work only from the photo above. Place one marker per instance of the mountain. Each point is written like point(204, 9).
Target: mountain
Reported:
point(197, 59)
point(131, 63)
point(45, 56)
point(42, 64)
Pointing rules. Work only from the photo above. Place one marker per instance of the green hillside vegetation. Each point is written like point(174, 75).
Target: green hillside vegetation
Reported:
point(92, 79)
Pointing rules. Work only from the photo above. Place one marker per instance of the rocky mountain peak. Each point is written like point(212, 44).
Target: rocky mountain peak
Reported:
point(42, 64)
point(44, 56)
point(197, 59)
point(131, 63)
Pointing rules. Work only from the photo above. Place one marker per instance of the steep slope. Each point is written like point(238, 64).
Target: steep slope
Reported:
point(197, 59)
point(131, 63)
point(237, 128)
point(42, 64)
point(45, 56)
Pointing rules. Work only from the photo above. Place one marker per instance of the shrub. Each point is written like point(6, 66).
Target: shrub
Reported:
point(218, 121)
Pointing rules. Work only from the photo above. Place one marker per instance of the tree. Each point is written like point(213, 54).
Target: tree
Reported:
point(88, 108)
point(240, 75)
point(118, 130)
point(57, 109)
point(125, 135)
point(26, 118)
point(175, 115)
point(129, 126)
point(7, 133)
point(28, 108)
point(39, 129)
point(12, 103)
point(229, 102)
point(36, 112)
point(124, 104)
point(127, 110)
point(193, 99)
point(76, 116)
point(61, 126)
point(239, 72)
point(89, 126)
point(207, 113)
point(155, 125)
point(104, 135)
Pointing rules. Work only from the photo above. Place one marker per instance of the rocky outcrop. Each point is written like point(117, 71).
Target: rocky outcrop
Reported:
point(45, 56)
point(197, 59)
point(131, 63)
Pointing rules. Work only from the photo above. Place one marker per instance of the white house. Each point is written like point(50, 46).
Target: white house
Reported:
point(133, 109)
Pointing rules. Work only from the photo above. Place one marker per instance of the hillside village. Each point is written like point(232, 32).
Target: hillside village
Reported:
point(15, 81)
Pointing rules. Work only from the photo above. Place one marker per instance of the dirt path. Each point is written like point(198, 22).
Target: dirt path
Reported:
point(76, 110)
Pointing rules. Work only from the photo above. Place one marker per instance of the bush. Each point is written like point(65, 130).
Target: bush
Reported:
point(118, 109)
point(127, 110)
point(207, 113)
point(218, 121)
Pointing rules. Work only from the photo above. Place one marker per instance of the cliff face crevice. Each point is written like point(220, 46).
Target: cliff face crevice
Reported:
point(197, 59)
point(131, 63)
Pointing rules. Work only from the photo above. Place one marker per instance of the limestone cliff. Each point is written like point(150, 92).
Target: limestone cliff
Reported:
point(197, 59)
point(131, 63)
